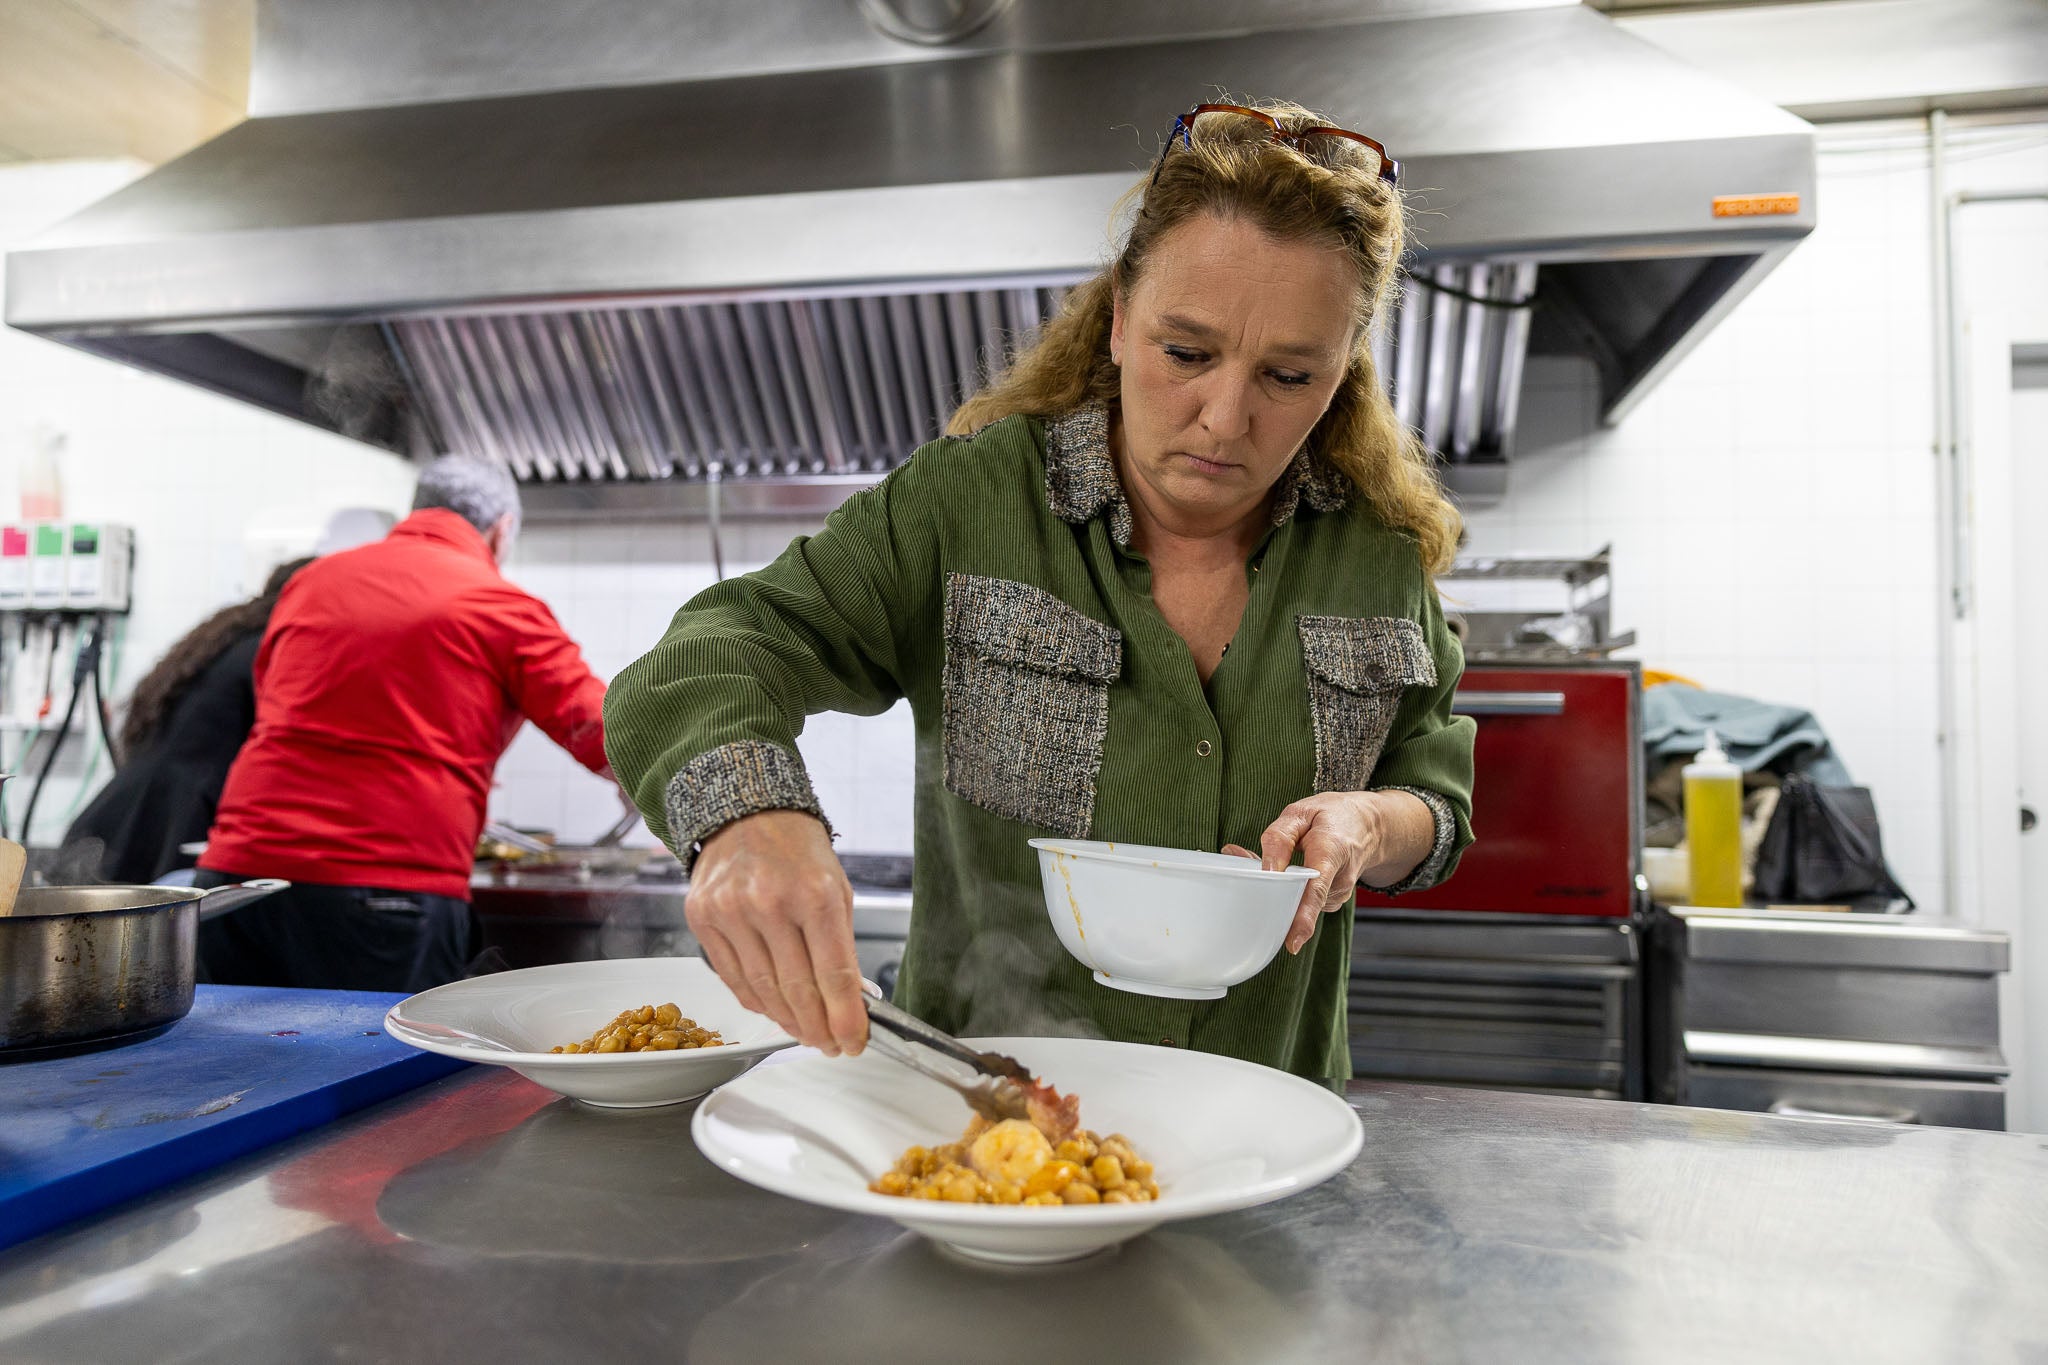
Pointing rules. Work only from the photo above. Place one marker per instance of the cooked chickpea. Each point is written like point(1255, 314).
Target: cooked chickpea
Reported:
point(650, 1028)
point(1081, 1169)
point(1051, 1178)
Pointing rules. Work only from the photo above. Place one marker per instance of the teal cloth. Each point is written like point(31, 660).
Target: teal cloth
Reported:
point(1759, 736)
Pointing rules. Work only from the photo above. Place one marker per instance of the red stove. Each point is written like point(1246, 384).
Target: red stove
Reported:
point(1556, 794)
point(1524, 970)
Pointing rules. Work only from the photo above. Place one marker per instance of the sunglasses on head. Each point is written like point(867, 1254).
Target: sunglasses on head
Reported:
point(1303, 140)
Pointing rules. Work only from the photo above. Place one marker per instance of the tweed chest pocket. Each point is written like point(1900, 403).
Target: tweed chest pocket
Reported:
point(1357, 668)
point(1026, 702)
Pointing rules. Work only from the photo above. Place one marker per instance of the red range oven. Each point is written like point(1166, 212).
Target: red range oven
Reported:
point(1556, 793)
point(1523, 970)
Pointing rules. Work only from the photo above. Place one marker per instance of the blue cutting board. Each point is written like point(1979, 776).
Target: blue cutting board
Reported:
point(249, 1066)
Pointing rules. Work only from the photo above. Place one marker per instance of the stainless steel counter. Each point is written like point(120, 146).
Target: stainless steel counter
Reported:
point(1791, 1011)
point(484, 1219)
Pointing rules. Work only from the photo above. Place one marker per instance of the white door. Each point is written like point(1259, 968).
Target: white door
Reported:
point(2030, 602)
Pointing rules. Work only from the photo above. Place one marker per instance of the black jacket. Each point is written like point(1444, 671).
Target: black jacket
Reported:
point(165, 795)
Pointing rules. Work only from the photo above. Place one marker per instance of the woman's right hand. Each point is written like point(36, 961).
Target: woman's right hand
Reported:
point(774, 912)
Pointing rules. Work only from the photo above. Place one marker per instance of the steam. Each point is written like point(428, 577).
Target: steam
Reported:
point(1007, 982)
point(356, 386)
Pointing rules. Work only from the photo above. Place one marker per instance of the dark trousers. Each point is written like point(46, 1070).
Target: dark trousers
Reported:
point(347, 938)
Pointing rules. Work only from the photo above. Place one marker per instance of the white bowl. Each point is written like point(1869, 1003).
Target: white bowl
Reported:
point(1166, 921)
point(513, 1018)
point(1221, 1134)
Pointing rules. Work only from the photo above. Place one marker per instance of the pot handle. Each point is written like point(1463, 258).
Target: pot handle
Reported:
point(220, 900)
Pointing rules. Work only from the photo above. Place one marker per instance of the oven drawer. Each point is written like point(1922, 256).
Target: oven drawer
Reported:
point(1816, 1094)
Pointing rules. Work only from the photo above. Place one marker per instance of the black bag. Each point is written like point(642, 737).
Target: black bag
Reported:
point(1822, 847)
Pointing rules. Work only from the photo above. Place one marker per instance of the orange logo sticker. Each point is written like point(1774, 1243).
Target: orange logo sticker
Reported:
point(1754, 205)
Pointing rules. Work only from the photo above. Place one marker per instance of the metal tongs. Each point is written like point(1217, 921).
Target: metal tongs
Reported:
point(994, 1084)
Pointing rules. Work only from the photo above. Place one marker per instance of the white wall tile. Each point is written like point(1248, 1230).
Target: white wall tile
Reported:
point(1771, 502)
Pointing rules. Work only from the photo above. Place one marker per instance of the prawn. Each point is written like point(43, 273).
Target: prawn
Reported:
point(1053, 1114)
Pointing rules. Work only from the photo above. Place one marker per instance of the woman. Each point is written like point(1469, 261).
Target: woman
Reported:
point(1169, 583)
point(185, 722)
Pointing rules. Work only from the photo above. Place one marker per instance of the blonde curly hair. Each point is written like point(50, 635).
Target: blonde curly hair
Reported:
point(1235, 168)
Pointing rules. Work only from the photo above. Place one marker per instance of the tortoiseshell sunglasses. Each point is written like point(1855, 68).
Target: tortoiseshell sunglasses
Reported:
point(1388, 169)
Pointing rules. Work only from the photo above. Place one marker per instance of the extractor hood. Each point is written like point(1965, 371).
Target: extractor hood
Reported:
point(794, 259)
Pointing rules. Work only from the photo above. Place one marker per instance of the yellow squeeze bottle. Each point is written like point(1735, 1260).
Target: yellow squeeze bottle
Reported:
point(1713, 826)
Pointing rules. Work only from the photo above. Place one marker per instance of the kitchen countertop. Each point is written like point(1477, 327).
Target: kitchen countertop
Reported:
point(482, 1218)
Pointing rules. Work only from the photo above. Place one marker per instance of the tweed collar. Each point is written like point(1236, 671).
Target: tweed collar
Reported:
point(1081, 482)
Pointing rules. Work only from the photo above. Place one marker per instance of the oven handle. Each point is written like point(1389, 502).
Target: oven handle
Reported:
point(1507, 703)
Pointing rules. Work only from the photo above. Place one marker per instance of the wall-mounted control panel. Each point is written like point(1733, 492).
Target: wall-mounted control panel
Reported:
point(66, 566)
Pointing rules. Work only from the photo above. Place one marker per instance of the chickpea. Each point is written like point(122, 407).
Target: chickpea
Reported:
point(1079, 1149)
point(1083, 1169)
point(1052, 1177)
point(649, 1028)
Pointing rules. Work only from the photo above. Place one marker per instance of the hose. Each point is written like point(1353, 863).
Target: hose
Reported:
point(99, 696)
point(85, 673)
point(35, 793)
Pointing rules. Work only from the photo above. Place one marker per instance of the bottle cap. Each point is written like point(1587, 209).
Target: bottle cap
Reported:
point(1712, 753)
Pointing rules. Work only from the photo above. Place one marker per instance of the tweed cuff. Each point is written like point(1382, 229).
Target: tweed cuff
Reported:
point(1431, 867)
point(721, 785)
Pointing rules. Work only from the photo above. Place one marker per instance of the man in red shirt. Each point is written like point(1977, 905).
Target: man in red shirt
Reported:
point(389, 682)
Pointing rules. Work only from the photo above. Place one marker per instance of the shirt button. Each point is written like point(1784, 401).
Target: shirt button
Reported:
point(1202, 748)
point(1166, 1042)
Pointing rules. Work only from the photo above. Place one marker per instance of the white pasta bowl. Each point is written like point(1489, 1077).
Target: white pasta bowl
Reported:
point(1166, 921)
point(1221, 1134)
point(513, 1018)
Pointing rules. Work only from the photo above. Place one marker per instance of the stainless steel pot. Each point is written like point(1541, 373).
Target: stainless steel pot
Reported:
point(90, 965)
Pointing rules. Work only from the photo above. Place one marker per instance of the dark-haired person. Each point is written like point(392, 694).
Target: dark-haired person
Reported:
point(390, 682)
point(185, 722)
point(1196, 456)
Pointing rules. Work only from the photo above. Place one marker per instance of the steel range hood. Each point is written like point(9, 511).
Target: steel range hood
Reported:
point(795, 257)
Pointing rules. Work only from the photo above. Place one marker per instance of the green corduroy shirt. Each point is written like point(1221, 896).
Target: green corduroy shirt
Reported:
point(991, 581)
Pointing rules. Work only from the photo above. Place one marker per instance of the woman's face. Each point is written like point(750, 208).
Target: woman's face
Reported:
point(1231, 344)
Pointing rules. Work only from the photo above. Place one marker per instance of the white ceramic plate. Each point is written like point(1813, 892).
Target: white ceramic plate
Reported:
point(515, 1017)
point(1221, 1134)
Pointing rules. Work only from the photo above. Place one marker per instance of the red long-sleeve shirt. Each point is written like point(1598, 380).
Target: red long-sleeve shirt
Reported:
point(389, 683)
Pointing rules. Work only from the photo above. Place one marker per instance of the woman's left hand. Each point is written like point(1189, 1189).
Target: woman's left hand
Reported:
point(1347, 837)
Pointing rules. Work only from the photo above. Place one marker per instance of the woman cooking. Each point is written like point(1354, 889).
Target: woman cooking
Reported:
point(1169, 583)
